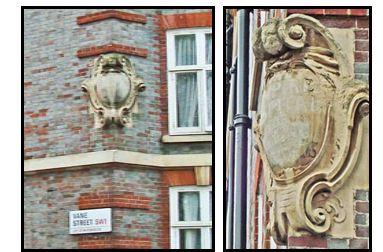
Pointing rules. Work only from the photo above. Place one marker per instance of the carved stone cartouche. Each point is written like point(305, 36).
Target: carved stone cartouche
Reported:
point(309, 129)
point(112, 90)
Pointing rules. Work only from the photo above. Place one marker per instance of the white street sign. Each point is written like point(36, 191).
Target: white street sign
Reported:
point(90, 221)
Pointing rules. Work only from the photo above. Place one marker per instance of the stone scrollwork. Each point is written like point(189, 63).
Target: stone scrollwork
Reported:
point(309, 124)
point(112, 90)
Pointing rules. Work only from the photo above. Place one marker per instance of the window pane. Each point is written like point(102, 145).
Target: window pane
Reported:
point(190, 238)
point(211, 235)
point(209, 92)
point(210, 205)
point(208, 44)
point(187, 99)
point(188, 203)
point(186, 53)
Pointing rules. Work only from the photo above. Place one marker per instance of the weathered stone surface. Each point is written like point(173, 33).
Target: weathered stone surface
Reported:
point(345, 38)
point(311, 126)
point(112, 90)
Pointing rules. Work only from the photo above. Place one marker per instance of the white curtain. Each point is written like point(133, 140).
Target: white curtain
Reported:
point(187, 99)
point(185, 50)
point(189, 210)
point(209, 96)
point(210, 205)
point(208, 45)
point(190, 238)
point(189, 206)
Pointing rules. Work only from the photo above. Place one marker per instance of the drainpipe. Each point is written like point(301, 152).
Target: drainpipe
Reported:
point(241, 125)
point(228, 104)
point(231, 161)
point(229, 52)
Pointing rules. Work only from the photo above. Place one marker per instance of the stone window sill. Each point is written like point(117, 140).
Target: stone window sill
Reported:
point(186, 138)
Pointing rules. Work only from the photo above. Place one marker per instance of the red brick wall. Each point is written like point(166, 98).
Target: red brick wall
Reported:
point(161, 51)
point(189, 20)
point(57, 123)
point(120, 200)
point(139, 199)
point(265, 218)
point(111, 48)
point(361, 211)
point(130, 200)
point(115, 242)
point(56, 117)
point(180, 177)
point(103, 15)
point(330, 12)
point(256, 230)
point(307, 241)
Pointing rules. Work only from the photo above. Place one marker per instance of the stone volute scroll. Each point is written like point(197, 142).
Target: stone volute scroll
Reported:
point(112, 90)
point(309, 127)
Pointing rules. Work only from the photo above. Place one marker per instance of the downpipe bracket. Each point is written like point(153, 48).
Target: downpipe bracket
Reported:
point(242, 120)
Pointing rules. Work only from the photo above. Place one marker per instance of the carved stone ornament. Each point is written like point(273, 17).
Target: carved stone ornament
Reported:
point(112, 90)
point(309, 124)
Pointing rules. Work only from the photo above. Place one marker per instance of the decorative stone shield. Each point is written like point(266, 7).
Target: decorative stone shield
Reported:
point(308, 127)
point(294, 121)
point(112, 90)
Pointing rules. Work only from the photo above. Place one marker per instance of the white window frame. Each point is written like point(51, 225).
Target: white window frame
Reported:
point(205, 224)
point(201, 68)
